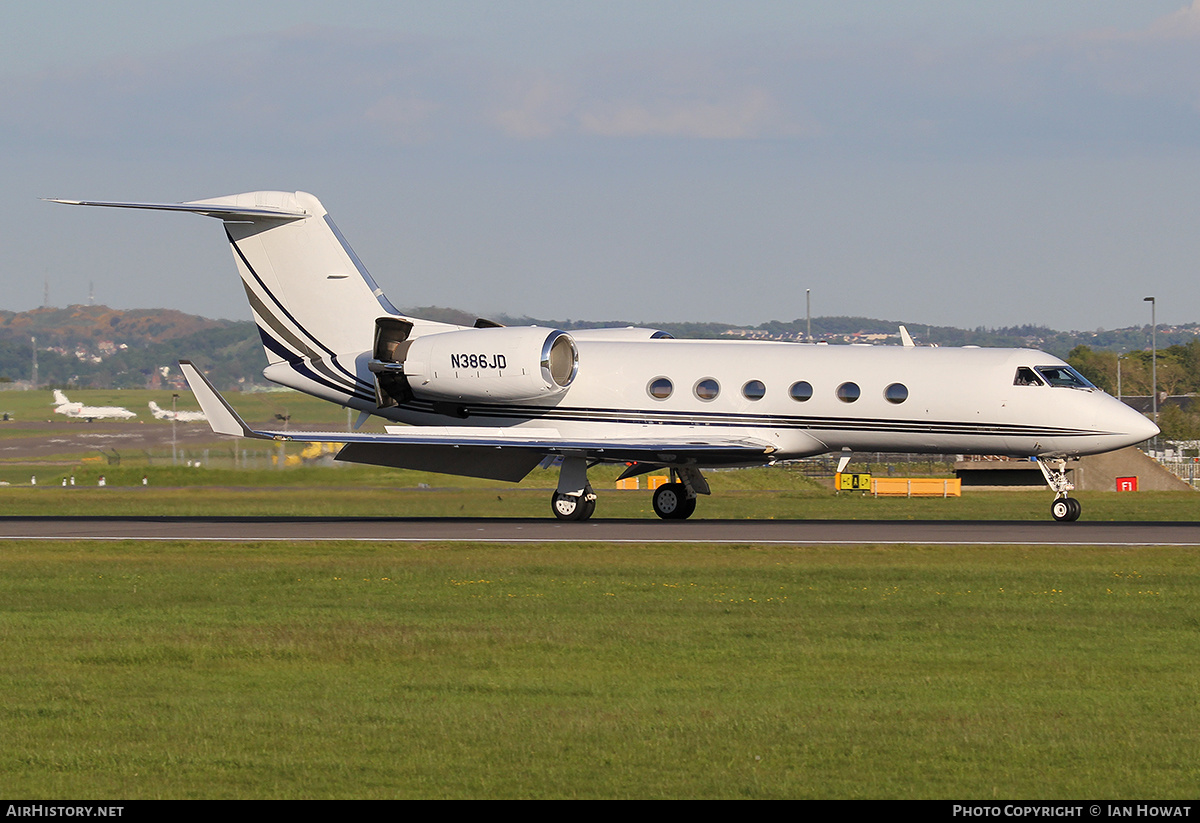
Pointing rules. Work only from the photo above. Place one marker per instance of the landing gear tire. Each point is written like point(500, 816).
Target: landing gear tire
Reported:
point(1066, 509)
point(672, 503)
point(572, 507)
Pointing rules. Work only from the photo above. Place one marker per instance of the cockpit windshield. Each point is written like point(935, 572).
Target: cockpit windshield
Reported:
point(1064, 376)
point(1026, 377)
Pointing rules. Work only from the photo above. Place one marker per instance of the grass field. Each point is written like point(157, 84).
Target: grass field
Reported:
point(347, 670)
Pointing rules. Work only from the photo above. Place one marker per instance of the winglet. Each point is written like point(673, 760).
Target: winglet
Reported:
point(221, 416)
point(906, 338)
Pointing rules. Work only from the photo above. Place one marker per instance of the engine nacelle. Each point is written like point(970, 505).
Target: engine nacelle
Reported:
point(621, 334)
point(491, 364)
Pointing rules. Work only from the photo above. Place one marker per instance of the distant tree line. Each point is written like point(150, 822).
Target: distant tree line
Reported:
point(1178, 368)
point(229, 354)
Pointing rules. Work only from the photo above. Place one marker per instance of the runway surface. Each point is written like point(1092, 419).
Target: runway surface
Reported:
point(696, 531)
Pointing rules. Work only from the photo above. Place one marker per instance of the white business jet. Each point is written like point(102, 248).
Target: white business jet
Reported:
point(89, 413)
point(492, 401)
point(178, 416)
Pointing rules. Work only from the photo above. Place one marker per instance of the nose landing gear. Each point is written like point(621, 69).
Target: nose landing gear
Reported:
point(1064, 509)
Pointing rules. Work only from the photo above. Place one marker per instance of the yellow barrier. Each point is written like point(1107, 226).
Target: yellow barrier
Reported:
point(653, 481)
point(916, 487)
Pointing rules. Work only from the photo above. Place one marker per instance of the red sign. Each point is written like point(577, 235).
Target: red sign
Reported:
point(1126, 484)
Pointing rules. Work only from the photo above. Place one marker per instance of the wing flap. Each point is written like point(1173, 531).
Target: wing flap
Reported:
point(464, 461)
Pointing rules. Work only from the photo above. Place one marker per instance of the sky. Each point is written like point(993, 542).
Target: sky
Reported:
point(989, 163)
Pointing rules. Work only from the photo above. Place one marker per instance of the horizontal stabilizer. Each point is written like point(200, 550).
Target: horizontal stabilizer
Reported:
point(224, 212)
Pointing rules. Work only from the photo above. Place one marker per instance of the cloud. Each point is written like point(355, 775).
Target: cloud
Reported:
point(534, 108)
point(741, 116)
point(1183, 24)
point(403, 119)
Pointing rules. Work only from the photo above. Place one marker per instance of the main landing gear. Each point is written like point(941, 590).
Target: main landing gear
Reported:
point(671, 502)
point(574, 507)
point(677, 500)
point(574, 498)
point(1064, 509)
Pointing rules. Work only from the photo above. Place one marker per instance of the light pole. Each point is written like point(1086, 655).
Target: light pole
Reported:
point(1153, 357)
point(1118, 375)
point(174, 416)
point(808, 315)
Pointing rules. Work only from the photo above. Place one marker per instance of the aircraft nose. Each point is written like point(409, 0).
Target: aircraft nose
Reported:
point(1144, 428)
point(1135, 425)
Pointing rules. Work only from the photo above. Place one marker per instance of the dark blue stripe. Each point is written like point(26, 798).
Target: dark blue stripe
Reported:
point(302, 367)
point(273, 345)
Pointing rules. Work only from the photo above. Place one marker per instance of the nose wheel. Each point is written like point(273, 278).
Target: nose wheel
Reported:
point(1066, 509)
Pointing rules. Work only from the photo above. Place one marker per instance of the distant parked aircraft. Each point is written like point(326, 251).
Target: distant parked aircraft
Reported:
point(64, 406)
point(181, 416)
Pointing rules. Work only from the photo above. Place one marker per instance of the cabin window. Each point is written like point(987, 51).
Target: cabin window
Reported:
point(848, 392)
point(660, 388)
point(801, 391)
point(754, 390)
point(1026, 377)
point(1064, 376)
point(896, 393)
point(707, 389)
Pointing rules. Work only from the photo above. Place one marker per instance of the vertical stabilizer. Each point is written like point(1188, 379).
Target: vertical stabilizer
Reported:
point(311, 296)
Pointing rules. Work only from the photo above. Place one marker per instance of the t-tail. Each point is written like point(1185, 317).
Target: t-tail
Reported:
point(317, 308)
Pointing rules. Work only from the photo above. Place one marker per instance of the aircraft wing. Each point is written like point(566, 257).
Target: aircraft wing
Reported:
point(478, 451)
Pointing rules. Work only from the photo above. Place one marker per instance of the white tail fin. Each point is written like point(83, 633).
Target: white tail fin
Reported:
point(314, 302)
point(311, 296)
point(60, 399)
